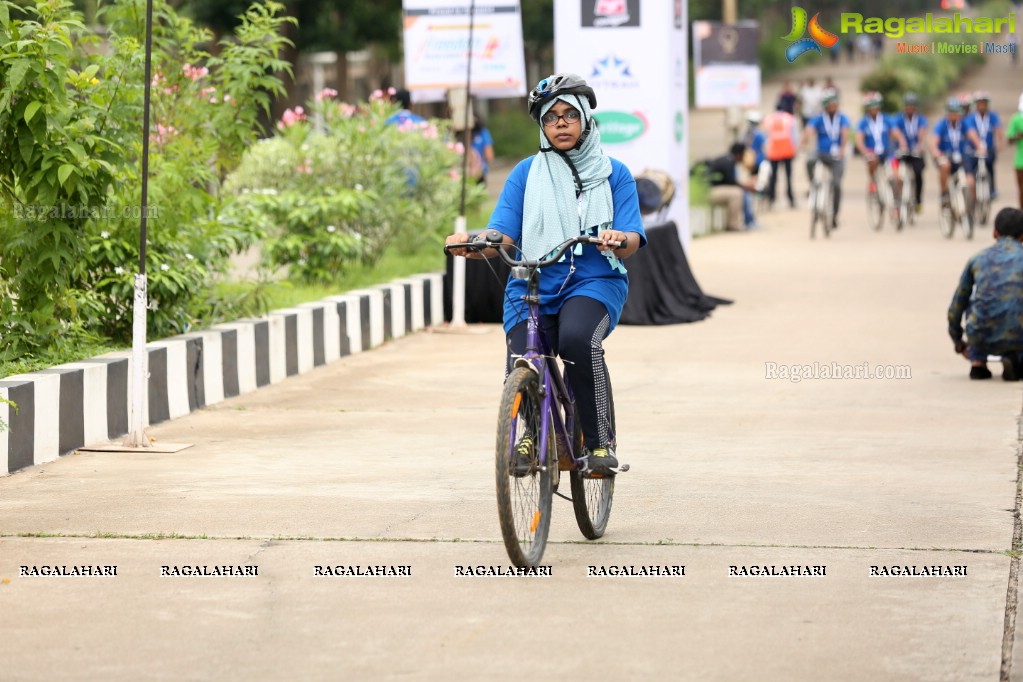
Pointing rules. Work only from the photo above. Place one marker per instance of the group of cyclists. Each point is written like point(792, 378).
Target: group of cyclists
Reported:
point(968, 134)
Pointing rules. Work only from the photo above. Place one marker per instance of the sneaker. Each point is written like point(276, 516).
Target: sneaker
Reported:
point(601, 461)
point(980, 373)
point(1010, 369)
point(524, 457)
point(919, 208)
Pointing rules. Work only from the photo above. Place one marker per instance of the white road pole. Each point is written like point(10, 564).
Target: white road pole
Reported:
point(458, 282)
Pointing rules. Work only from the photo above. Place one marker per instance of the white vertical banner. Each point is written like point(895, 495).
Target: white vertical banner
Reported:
point(436, 41)
point(635, 55)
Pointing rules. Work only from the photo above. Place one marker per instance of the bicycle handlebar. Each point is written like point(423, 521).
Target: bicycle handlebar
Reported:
point(495, 240)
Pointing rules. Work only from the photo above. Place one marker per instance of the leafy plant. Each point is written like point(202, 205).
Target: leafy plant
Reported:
point(337, 195)
point(70, 171)
point(56, 163)
point(13, 405)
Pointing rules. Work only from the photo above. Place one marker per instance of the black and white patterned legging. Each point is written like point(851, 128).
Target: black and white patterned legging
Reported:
point(576, 334)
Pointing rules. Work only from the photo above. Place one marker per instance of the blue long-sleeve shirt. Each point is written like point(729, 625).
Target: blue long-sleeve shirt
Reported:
point(990, 293)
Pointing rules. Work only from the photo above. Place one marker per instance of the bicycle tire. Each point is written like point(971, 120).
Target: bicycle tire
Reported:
point(897, 207)
point(908, 203)
point(982, 209)
point(523, 502)
point(875, 210)
point(965, 214)
point(946, 222)
point(592, 497)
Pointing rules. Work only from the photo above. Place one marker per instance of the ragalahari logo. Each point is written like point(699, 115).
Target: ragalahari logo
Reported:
point(818, 36)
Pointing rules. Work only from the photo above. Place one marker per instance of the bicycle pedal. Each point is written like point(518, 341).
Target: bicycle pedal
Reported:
point(606, 473)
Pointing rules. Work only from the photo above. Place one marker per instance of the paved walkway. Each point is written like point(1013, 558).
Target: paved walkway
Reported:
point(385, 458)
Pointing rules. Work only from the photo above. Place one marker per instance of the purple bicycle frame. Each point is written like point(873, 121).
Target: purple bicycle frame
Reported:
point(539, 356)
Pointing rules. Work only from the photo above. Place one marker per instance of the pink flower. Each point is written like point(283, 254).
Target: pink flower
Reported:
point(376, 94)
point(430, 132)
point(162, 134)
point(206, 92)
point(213, 100)
point(453, 174)
point(326, 93)
point(290, 118)
point(347, 110)
point(195, 72)
point(392, 91)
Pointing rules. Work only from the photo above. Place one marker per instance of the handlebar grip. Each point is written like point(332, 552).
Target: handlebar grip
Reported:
point(474, 244)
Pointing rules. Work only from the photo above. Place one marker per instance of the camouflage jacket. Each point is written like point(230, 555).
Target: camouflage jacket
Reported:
point(990, 293)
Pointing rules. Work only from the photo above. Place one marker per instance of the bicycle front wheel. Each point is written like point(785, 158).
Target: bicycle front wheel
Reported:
point(983, 207)
point(875, 209)
point(946, 221)
point(965, 212)
point(591, 497)
point(524, 484)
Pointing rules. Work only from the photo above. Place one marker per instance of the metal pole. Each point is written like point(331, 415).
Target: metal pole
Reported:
point(729, 12)
point(458, 265)
point(468, 98)
point(140, 370)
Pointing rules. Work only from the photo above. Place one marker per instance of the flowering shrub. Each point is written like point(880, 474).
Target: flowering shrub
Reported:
point(70, 169)
point(343, 193)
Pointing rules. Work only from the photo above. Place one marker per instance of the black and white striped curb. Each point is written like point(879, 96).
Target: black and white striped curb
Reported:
point(84, 403)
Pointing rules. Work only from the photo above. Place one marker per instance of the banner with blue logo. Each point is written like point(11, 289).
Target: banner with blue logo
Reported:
point(635, 55)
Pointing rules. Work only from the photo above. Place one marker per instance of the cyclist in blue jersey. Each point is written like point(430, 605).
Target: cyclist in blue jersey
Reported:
point(948, 145)
point(876, 137)
point(913, 126)
point(832, 130)
point(570, 187)
point(403, 116)
point(985, 135)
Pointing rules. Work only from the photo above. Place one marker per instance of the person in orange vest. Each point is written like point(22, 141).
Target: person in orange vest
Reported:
point(780, 127)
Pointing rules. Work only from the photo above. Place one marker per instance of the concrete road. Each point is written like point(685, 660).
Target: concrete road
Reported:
point(385, 459)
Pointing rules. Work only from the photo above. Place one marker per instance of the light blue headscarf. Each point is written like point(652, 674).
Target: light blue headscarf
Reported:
point(551, 213)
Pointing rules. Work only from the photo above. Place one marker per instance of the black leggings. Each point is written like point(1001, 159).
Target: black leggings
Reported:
point(773, 184)
point(575, 334)
point(917, 164)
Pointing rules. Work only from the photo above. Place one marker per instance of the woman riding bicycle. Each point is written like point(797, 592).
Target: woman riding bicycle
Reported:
point(570, 187)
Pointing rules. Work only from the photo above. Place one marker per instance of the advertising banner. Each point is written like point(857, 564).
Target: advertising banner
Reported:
point(725, 64)
point(634, 54)
point(722, 85)
point(436, 39)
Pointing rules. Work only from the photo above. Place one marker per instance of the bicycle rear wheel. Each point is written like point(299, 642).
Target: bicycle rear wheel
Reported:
point(523, 497)
point(591, 497)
